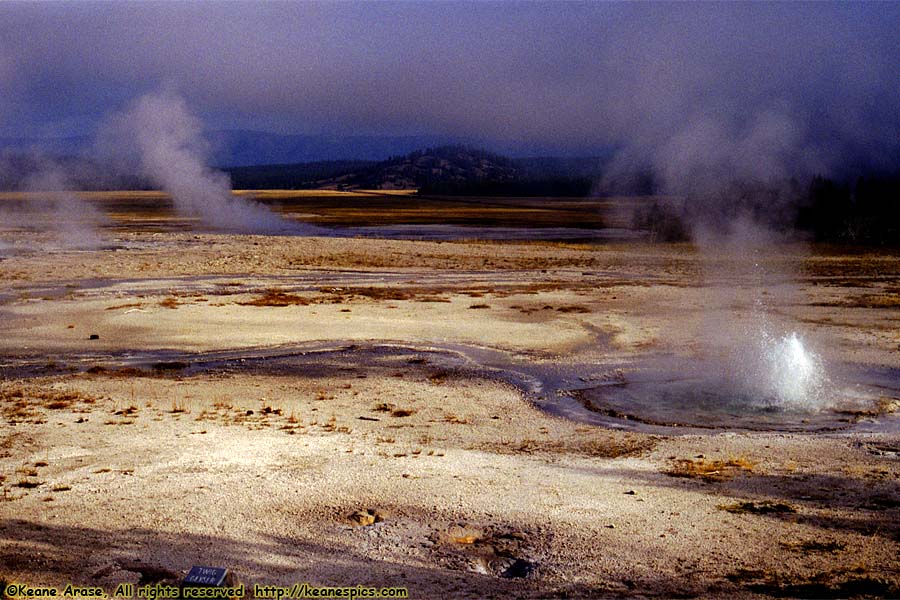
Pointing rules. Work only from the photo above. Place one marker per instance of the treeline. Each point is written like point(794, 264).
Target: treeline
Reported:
point(22, 171)
point(557, 186)
point(867, 212)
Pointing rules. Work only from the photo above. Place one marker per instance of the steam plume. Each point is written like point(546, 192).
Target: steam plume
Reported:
point(74, 221)
point(161, 137)
point(49, 205)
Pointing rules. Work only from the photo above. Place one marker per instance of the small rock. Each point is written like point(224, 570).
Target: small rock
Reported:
point(362, 518)
point(93, 336)
point(367, 517)
point(466, 539)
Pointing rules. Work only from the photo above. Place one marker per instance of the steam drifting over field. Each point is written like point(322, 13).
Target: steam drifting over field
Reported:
point(75, 221)
point(51, 206)
point(159, 137)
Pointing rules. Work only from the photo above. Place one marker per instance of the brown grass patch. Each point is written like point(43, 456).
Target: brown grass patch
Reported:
point(19, 401)
point(439, 378)
point(376, 293)
point(433, 299)
point(169, 303)
point(27, 484)
point(58, 404)
point(452, 418)
point(883, 300)
point(710, 470)
point(829, 547)
point(600, 447)
point(573, 308)
point(277, 298)
point(403, 412)
point(129, 305)
point(758, 508)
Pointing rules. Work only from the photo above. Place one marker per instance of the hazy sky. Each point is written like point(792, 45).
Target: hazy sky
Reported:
point(649, 75)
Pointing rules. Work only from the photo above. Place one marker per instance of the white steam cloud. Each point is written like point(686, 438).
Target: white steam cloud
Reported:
point(56, 208)
point(48, 205)
point(160, 137)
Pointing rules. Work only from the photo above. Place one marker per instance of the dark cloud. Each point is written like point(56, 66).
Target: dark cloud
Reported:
point(784, 81)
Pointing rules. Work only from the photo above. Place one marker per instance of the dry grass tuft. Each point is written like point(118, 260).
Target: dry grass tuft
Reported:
point(439, 378)
point(613, 446)
point(764, 507)
point(829, 547)
point(121, 372)
point(28, 484)
point(274, 297)
point(19, 402)
point(452, 418)
point(57, 404)
point(377, 293)
point(169, 303)
point(128, 305)
point(573, 308)
point(403, 412)
point(710, 470)
point(889, 300)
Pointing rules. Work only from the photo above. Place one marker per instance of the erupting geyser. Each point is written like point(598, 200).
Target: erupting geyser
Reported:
point(787, 375)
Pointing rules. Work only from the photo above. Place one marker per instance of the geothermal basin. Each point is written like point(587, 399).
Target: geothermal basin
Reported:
point(511, 409)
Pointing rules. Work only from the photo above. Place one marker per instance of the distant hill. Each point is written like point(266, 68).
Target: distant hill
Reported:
point(445, 170)
point(433, 168)
point(296, 176)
